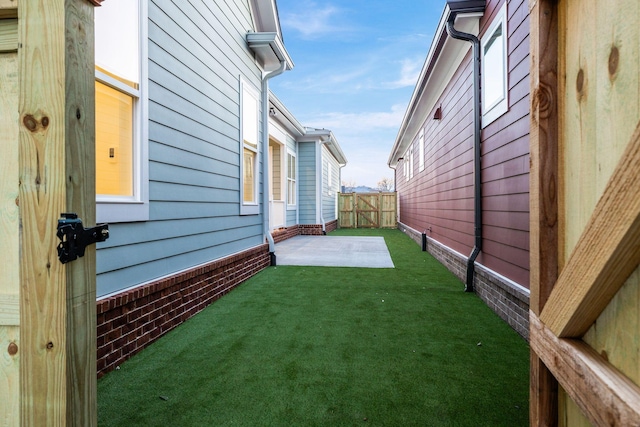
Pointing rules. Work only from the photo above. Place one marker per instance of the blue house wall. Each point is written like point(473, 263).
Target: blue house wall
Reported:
point(307, 183)
point(330, 185)
point(197, 53)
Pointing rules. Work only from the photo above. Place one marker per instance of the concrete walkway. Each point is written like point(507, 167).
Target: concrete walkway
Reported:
point(334, 251)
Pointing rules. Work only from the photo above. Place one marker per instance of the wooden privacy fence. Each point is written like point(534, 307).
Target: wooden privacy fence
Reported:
point(367, 210)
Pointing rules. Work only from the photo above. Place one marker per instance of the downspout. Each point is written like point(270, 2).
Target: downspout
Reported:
point(265, 157)
point(476, 146)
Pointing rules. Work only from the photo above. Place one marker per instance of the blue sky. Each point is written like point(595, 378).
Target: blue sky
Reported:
point(356, 64)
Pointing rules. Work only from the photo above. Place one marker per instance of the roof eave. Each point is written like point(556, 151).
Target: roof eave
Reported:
point(269, 50)
point(440, 43)
point(326, 137)
point(286, 118)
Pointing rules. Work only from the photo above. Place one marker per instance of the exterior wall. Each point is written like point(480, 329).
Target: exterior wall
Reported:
point(307, 183)
point(193, 147)
point(439, 199)
point(130, 321)
point(329, 193)
point(505, 160)
point(196, 246)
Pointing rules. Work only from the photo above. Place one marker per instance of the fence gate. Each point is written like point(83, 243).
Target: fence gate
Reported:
point(367, 210)
point(585, 212)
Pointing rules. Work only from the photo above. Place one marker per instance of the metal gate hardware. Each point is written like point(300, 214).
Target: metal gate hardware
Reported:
point(74, 238)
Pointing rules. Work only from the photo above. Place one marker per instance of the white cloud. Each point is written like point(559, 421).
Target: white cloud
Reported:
point(312, 20)
point(409, 72)
point(350, 122)
point(366, 139)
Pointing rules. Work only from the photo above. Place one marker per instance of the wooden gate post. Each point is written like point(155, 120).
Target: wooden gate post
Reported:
point(544, 188)
point(9, 237)
point(56, 174)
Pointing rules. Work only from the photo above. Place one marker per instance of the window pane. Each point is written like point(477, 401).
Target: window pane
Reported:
point(494, 69)
point(291, 179)
point(248, 178)
point(116, 38)
point(114, 142)
point(250, 119)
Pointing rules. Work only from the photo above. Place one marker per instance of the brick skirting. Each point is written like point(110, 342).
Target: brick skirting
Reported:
point(302, 230)
point(331, 226)
point(506, 299)
point(130, 321)
point(285, 233)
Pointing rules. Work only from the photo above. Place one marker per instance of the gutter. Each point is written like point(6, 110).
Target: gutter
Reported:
point(456, 8)
point(265, 153)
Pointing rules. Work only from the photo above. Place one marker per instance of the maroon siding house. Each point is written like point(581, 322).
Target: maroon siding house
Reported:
point(461, 157)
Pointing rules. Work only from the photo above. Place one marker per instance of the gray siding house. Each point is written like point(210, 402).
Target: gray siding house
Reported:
point(304, 194)
point(183, 151)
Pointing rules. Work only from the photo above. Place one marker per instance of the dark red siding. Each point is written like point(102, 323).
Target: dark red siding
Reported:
point(439, 199)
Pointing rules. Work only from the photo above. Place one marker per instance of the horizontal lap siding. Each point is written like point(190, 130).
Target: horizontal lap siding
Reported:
point(307, 182)
point(505, 162)
point(197, 51)
point(330, 195)
point(439, 200)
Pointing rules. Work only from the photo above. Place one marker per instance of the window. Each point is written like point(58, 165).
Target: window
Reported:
point(421, 151)
point(406, 165)
point(249, 121)
point(121, 125)
point(291, 179)
point(411, 162)
point(494, 69)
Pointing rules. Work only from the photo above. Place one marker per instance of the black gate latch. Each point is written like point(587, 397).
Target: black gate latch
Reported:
point(74, 238)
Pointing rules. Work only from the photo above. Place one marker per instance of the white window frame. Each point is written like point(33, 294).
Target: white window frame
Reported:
point(291, 204)
point(490, 112)
point(247, 208)
point(411, 161)
point(421, 151)
point(132, 208)
point(406, 165)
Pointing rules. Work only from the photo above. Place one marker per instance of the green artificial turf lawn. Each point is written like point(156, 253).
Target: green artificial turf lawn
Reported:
point(318, 346)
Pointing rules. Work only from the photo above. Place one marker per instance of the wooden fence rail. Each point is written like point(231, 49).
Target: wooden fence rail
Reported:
point(367, 210)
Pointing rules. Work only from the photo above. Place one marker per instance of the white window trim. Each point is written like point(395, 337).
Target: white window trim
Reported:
point(411, 161)
point(421, 151)
point(406, 165)
point(491, 112)
point(249, 208)
point(134, 208)
point(292, 206)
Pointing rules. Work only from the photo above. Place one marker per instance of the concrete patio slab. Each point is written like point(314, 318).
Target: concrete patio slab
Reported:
point(334, 251)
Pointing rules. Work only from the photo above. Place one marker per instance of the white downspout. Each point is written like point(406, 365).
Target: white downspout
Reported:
point(265, 156)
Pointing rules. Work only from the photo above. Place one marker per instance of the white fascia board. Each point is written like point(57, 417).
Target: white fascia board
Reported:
point(444, 57)
point(328, 138)
point(285, 117)
point(270, 50)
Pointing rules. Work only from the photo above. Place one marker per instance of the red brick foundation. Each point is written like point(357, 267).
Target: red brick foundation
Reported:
point(302, 230)
point(130, 321)
point(285, 233)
